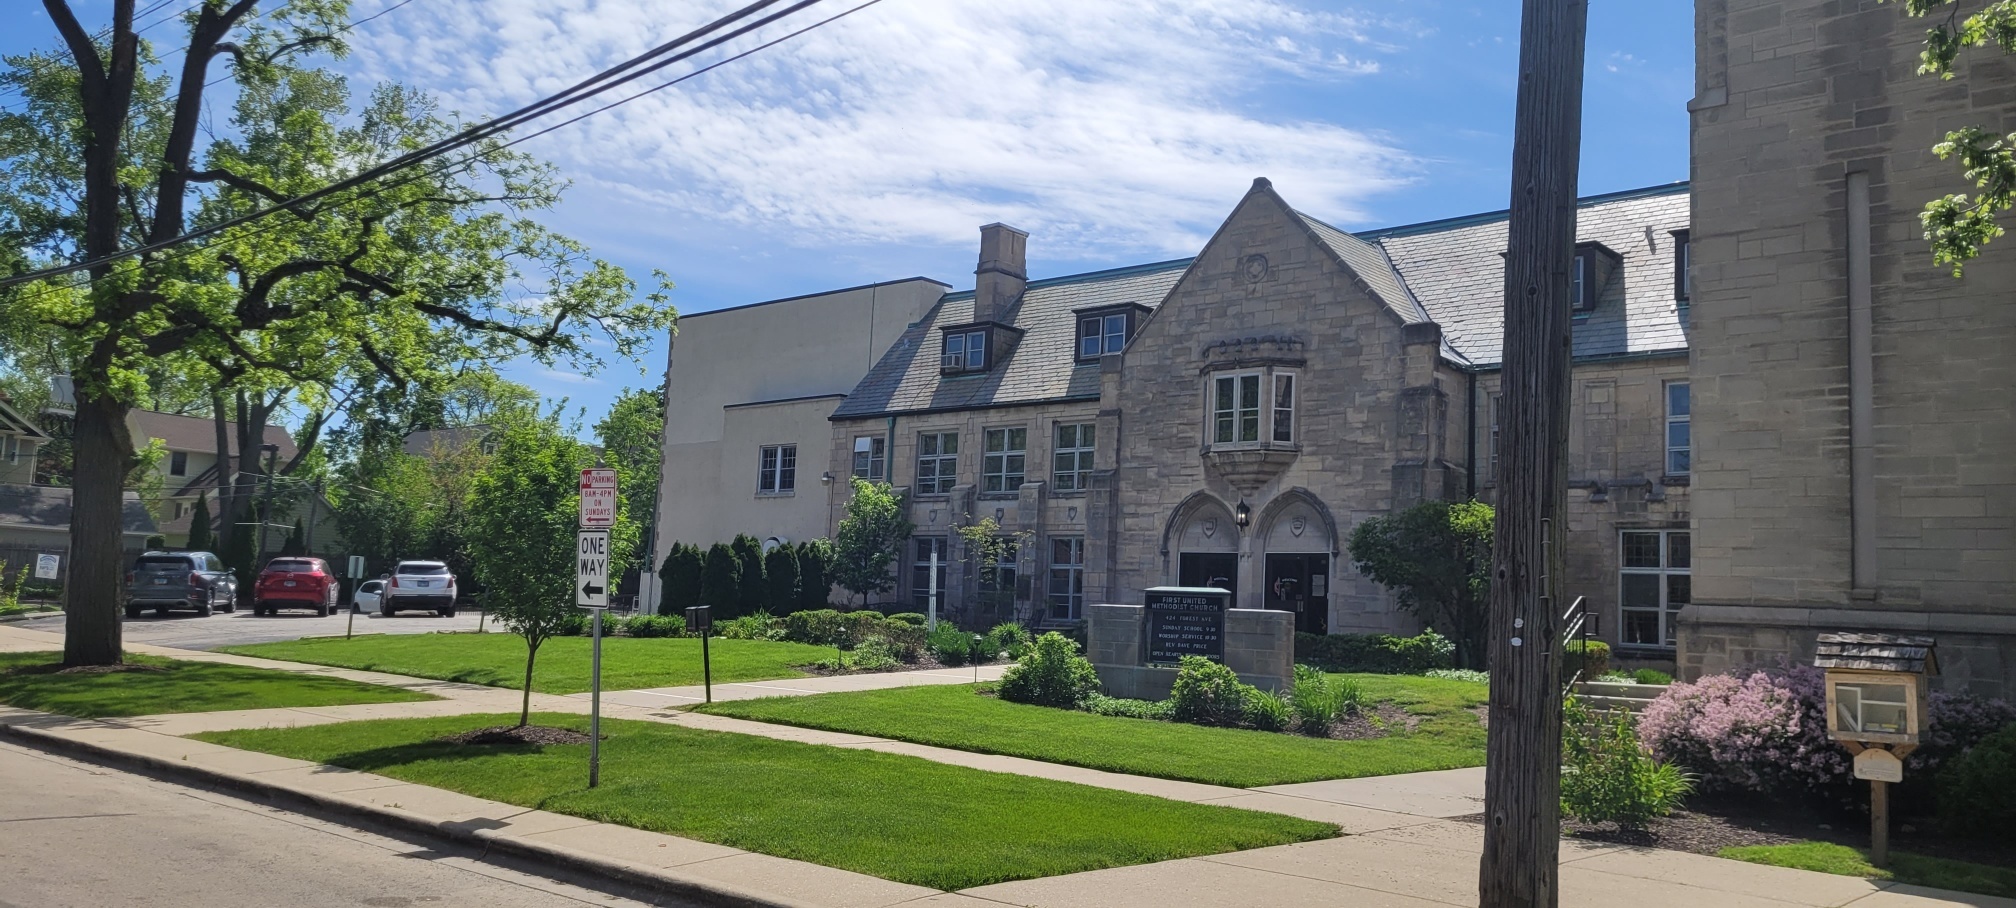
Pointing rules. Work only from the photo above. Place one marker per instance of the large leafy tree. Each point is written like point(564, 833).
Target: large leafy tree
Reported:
point(1958, 225)
point(631, 436)
point(870, 539)
point(438, 265)
point(523, 511)
point(1436, 558)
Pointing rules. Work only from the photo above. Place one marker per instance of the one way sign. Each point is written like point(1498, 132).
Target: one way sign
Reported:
point(591, 572)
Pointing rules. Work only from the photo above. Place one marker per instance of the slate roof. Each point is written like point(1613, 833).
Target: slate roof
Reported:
point(48, 508)
point(1450, 272)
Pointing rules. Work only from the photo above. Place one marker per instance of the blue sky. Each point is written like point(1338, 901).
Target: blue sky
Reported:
point(1115, 131)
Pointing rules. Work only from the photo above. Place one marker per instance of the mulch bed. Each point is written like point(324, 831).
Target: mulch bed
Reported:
point(518, 734)
point(923, 663)
point(58, 668)
point(1358, 725)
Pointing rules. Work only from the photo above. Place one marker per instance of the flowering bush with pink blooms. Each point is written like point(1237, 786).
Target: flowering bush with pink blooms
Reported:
point(1765, 730)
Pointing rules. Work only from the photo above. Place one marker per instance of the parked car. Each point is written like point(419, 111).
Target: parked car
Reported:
point(370, 594)
point(295, 582)
point(419, 585)
point(171, 580)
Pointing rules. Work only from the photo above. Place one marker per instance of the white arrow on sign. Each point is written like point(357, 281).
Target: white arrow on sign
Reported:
point(591, 571)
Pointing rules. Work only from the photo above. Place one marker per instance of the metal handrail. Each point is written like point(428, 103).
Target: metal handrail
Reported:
point(1576, 625)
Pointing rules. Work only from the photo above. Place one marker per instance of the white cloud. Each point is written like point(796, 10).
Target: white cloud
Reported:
point(1121, 124)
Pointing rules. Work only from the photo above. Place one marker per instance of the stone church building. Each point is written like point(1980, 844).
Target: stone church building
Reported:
point(1228, 419)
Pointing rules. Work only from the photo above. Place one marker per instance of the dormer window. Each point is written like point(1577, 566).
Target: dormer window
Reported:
point(965, 351)
point(1683, 280)
point(1594, 264)
point(1103, 332)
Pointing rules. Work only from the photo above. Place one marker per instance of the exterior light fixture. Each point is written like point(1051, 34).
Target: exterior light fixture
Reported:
point(826, 478)
point(1242, 515)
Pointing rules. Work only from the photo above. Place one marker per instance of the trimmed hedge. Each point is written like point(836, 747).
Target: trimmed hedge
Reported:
point(1592, 657)
point(1382, 654)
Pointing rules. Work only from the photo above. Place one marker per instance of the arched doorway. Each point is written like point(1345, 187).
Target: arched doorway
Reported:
point(1298, 540)
point(1205, 544)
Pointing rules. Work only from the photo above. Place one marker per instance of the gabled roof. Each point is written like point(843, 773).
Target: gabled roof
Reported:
point(1451, 272)
point(199, 433)
point(13, 423)
point(1043, 366)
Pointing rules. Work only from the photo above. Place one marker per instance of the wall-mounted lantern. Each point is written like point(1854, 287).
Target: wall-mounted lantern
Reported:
point(1242, 515)
point(1878, 691)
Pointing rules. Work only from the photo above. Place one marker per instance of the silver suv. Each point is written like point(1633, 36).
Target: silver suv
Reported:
point(419, 585)
point(171, 580)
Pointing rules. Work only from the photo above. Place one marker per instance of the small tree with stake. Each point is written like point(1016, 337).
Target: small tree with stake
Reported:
point(870, 538)
point(523, 510)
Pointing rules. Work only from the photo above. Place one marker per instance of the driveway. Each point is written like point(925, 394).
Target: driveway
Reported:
point(187, 630)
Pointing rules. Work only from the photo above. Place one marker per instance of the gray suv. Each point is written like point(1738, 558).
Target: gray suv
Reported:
point(172, 580)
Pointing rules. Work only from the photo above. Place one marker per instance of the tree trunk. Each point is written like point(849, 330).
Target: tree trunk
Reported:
point(1522, 803)
point(227, 491)
point(525, 704)
point(103, 452)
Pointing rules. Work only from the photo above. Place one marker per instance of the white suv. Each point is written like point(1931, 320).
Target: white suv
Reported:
point(419, 585)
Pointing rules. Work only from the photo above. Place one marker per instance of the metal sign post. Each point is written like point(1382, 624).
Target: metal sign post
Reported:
point(591, 589)
point(355, 569)
point(700, 619)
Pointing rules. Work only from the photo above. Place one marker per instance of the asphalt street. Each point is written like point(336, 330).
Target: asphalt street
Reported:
point(187, 630)
point(75, 835)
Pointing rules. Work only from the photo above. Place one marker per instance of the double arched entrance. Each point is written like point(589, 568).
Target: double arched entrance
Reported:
point(1281, 556)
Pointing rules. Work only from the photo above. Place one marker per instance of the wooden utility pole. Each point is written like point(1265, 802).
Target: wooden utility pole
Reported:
point(1522, 782)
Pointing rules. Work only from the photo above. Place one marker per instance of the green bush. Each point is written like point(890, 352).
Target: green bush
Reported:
point(1376, 653)
point(1267, 710)
point(1607, 776)
point(573, 625)
point(1208, 693)
point(950, 645)
point(1591, 657)
point(1159, 710)
point(857, 626)
point(1977, 790)
point(1318, 700)
point(655, 626)
point(907, 639)
point(753, 626)
point(1651, 676)
point(819, 627)
point(1011, 640)
point(1051, 674)
point(874, 654)
point(915, 619)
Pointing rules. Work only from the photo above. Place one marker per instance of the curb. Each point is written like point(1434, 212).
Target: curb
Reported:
point(653, 879)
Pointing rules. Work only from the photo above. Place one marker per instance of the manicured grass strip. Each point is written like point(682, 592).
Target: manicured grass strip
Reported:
point(1448, 736)
point(1915, 869)
point(498, 659)
point(181, 687)
point(896, 817)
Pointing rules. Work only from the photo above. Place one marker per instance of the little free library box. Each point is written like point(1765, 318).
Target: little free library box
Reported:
point(1135, 648)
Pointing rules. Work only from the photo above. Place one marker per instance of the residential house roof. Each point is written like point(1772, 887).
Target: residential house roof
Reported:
point(13, 423)
point(48, 508)
point(1449, 271)
point(199, 433)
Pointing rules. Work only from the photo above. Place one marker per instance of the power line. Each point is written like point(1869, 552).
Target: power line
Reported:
point(629, 70)
point(533, 136)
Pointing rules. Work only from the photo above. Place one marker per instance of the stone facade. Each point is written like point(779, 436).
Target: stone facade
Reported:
point(1371, 363)
point(1810, 122)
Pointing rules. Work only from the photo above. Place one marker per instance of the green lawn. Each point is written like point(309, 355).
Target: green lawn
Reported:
point(498, 659)
point(896, 817)
point(181, 687)
point(1448, 736)
point(1917, 870)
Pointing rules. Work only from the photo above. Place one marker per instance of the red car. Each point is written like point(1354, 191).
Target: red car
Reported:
point(295, 583)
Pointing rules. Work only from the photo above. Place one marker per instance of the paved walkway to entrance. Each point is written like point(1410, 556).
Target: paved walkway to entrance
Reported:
point(1400, 850)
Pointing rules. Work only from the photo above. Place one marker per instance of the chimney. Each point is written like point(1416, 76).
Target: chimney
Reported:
point(1003, 272)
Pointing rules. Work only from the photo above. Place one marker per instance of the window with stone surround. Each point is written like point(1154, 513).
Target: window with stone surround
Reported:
point(1071, 457)
point(871, 460)
point(998, 576)
point(1251, 409)
point(937, 462)
point(1679, 429)
point(965, 351)
point(1067, 577)
point(927, 572)
point(777, 470)
point(1655, 583)
point(1004, 459)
